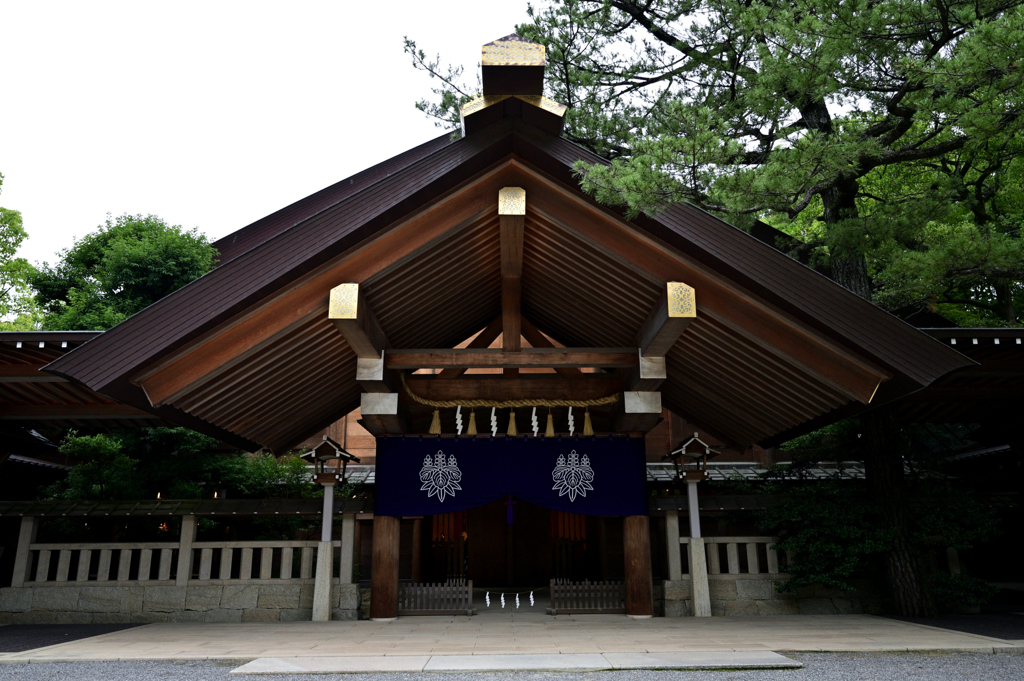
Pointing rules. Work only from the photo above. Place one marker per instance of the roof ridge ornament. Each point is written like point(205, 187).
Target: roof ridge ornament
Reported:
point(512, 70)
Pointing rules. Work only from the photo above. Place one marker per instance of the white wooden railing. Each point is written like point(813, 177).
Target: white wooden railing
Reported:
point(751, 556)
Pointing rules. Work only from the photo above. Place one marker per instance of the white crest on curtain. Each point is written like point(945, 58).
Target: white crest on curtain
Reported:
point(439, 478)
point(573, 477)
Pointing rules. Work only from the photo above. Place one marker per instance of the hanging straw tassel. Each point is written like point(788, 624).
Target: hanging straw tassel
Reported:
point(588, 427)
point(512, 430)
point(471, 430)
point(549, 431)
point(435, 423)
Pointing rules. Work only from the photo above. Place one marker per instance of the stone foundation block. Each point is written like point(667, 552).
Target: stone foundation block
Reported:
point(164, 599)
point(678, 590)
point(341, 615)
point(737, 608)
point(223, 615)
point(113, 617)
point(754, 589)
point(203, 597)
point(261, 615)
point(56, 599)
point(306, 596)
point(722, 590)
point(15, 600)
point(816, 606)
point(774, 607)
point(297, 615)
point(100, 599)
point(677, 608)
point(239, 597)
point(278, 596)
point(72, 617)
point(348, 596)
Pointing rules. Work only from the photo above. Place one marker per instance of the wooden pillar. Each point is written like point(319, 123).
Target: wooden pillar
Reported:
point(384, 571)
point(417, 550)
point(637, 548)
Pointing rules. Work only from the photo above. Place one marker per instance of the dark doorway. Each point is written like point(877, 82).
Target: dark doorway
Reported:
point(536, 546)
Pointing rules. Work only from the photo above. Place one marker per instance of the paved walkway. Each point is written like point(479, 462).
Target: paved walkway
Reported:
point(517, 633)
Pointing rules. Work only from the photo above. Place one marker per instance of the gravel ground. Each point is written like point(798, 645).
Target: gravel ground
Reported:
point(830, 667)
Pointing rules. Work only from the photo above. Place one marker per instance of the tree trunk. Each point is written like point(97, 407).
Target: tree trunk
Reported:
point(849, 268)
point(883, 467)
point(1004, 301)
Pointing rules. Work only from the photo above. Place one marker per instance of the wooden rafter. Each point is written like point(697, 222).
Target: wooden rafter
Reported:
point(482, 340)
point(27, 373)
point(537, 339)
point(667, 320)
point(610, 358)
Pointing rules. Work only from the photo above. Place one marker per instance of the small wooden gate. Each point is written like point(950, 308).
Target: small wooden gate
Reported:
point(587, 598)
point(436, 599)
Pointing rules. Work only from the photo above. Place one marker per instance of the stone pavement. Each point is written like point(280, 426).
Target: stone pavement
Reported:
point(513, 633)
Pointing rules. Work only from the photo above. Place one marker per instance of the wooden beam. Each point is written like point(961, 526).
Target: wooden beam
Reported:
point(482, 340)
point(537, 339)
point(512, 221)
point(380, 414)
point(527, 386)
point(610, 358)
point(27, 373)
point(355, 320)
point(791, 341)
point(234, 342)
point(638, 412)
point(675, 309)
point(60, 412)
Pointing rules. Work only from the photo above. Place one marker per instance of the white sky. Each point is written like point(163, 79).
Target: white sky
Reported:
point(211, 114)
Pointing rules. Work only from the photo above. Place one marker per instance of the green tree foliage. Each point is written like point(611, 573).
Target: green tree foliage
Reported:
point(837, 531)
point(16, 305)
point(754, 109)
point(177, 463)
point(129, 263)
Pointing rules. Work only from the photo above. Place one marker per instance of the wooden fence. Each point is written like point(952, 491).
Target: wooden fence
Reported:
point(436, 599)
point(587, 598)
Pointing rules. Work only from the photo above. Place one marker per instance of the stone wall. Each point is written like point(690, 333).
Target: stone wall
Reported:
point(743, 595)
point(193, 603)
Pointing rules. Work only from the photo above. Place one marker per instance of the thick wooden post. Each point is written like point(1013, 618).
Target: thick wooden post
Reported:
point(384, 571)
point(637, 548)
point(417, 550)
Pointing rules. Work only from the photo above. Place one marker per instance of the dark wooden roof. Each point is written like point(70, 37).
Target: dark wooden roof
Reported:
point(277, 371)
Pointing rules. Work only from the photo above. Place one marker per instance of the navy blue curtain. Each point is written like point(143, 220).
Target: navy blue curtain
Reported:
point(601, 476)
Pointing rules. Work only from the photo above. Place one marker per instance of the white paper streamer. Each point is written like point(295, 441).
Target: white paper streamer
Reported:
point(503, 600)
point(531, 599)
point(494, 423)
point(487, 597)
point(572, 423)
point(458, 420)
point(534, 422)
point(517, 601)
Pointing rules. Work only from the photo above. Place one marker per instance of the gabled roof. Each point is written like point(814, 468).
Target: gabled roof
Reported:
point(248, 350)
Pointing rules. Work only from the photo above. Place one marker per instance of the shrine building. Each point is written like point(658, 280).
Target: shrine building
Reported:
point(511, 345)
